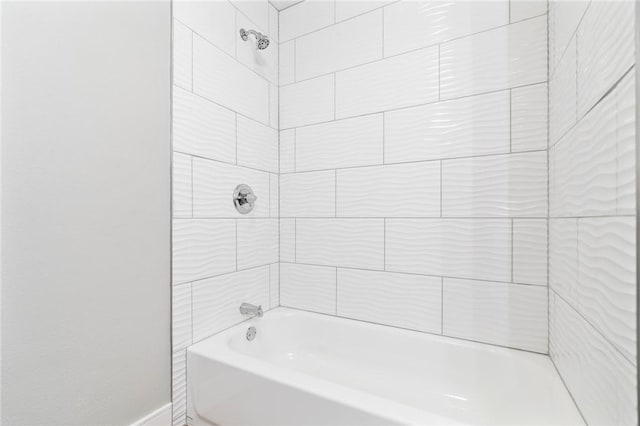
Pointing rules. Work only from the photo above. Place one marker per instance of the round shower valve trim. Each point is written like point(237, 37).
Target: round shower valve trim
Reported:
point(244, 199)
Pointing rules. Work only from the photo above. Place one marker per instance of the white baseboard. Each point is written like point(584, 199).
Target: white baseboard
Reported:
point(159, 417)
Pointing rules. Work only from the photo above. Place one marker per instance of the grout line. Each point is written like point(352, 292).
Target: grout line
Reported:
point(236, 244)
point(433, 102)
point(512, 244)
point(431, 218)
point(236, 131)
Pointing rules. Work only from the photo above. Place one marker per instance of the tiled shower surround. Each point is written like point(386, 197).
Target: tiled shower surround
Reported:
point(412, 172)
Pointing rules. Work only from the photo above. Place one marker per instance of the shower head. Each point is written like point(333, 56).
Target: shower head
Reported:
point(262, 41)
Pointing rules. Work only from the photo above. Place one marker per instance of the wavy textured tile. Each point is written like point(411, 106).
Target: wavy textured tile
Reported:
point(257, 145)
point(530, 251)
point(287, 151)
point(564, 17)
point(309, 194)
point(179, 387)
point(400, 300)
point(410, 25)
point(465, 248)
point(342, 143)
point(527, 9)
point(563, 113)
point(309, 102)
point(213, 186)
point(213, 20)
point(492, 186)
point(585, 165)
point(274, 284)
point(474, 125)
point(274, 106)
point(216, 300)
point(181, 317)
point(312, 288)
point(563, 258)
point(340, 46)
point(203, 128)
point(257, 11)
point(529, 117)
point(356, 243)
point(181, 55)
point(287, 240)
point(400, 81)
point(287, 63)
point(262, 62)
point(274, 195)
point(346, 9)
point(202, 248)
point(601, 381)
point(605, 49)
point(607, 277)
point(626, 144)
point(503, 314)
point(257, 242)
point(373, 191)
point(182, 196)
point(220, 78)
point(484, 62)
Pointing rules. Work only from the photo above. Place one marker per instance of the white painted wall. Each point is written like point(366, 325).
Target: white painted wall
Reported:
point(85, 212)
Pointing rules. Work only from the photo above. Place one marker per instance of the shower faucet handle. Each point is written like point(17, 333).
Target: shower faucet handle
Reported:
point(244, 198)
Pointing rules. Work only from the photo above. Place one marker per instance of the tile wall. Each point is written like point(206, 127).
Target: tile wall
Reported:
point(592, 252)
point(413, 165)
point(225, 132)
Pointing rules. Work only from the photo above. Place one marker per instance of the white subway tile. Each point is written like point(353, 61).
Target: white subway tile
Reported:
point(263, 62)
point(465, 248)
point(626, 145)
point(501, 58)
point(203, 128)
point(182, 185)
point(563, 258)
point(305, 17)
point(181, 317)
point(605, 49)
point(400, 300)
point(503, 314)
point(202, 248)
point(274, 284)
point(340, 46)
point(529, 118)
point(312, 288)
point(343, 143)
point(287, 63)
point(287, 151)
point(274, 24)
point(213, 186)
point(600, 379)
point(222, 79)
point(256, 10)
point(501, 185)
point(530, 251)
point(287, 240)
point(274, 106)
point(356, 243)
point(374, 191)
point(607, 278)
point(213, 20)
point(346, 9)
point(216, 300)
point(310, 194)
point(409, 25)
point(182, 38)
point(562, 95)
point(401, 81)
point(564, 17)
point(308, 102)
point(257, 242)
point(523, 9)
point(257, 145)
point(474, 125)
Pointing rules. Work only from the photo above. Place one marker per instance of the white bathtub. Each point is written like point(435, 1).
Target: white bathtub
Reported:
point(311, 369)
